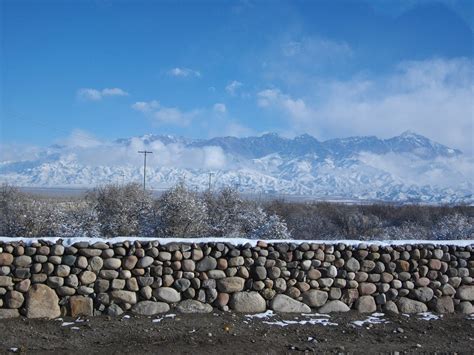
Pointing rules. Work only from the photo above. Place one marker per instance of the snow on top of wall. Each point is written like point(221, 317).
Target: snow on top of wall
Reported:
point(236, 241)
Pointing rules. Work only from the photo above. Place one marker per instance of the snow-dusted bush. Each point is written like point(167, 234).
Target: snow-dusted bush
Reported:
point(181, 213)
point(231, 216)
point(273, 228)
point(121, 210)
point(22, 215)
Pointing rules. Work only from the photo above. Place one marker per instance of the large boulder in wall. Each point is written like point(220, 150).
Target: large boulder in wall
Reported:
point(42, 302)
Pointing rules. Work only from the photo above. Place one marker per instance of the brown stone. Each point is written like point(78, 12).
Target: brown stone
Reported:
point(42, 302)
point(81, 306)
point(6, 259)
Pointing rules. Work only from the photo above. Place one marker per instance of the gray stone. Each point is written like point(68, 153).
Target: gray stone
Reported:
point(334, 306)
point(465, 293)
point(188, 265)
point(182, 284)
point(206, 264)
point(406, 305)
point(230, 284)
point(150, 308)
point(423, 294)
point(144, 262)
point(463, 307)
point(260, 273)
point(315, 298)
point(8, 313)
point(443, 304)
point(22, 261)
point(89, 253)
point(193, 306)
point(352, 265)
point(108, 274)
point(14, 299)
point(6, 281)
point(96, 263)
point(216, 274)
point(366, 288)
point(121, 296)
point(42, 302)
point(285, 304)
point(63, 270)
point(117, 284)
point(112, 264)
point(390, 307)
point(129, 262)
point(65, 291)
point(167, 294)
point(55, 281)
point(326, 282)
point(247, 302)
point(114, 310)
point(366, 304)
point(87, 277)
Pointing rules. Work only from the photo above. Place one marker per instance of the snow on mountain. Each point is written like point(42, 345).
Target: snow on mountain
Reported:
point(408, 167)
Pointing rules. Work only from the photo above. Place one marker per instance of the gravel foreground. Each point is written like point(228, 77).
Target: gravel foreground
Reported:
point(235, 333)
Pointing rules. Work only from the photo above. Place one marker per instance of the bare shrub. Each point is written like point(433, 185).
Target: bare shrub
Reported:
point(181, 213)
point(121, 210)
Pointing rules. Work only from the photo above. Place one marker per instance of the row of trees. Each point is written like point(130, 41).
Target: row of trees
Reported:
point(115, 210)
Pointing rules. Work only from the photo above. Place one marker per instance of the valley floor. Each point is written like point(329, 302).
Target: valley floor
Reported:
point(228, 333)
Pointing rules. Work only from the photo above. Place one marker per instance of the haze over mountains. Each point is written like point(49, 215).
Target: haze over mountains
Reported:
point(408, 167)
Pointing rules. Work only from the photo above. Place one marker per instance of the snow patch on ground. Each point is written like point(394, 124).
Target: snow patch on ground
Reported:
point(312, 321)
point(311, 318)
point(234, 241)
point(158, 320)
point(429, 316)
point(375, 318)
point(264, 315)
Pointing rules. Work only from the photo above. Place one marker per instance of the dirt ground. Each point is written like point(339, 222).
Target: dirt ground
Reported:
point(235, 334)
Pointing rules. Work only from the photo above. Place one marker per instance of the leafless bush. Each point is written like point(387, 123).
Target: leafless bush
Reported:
point(121, 210)
point(377, 221)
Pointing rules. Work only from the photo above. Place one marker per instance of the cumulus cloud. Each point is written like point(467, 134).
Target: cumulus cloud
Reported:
point(219, 108)
point(184, 72)
point(89, 94)
point(432, 97)
point(233, 87)
point(162, 115)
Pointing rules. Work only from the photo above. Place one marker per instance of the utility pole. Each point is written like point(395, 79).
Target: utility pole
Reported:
point(210, 180)
point(144, 152)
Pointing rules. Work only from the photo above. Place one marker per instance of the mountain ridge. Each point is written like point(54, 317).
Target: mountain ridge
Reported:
point(408, 167)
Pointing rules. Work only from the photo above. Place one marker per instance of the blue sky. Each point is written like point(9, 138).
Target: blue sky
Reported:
point(110, 69)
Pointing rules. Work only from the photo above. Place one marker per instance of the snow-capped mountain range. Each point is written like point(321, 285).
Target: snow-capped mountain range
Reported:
point(408, 167)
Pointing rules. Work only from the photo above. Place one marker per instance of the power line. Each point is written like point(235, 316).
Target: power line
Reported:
point(144, 152)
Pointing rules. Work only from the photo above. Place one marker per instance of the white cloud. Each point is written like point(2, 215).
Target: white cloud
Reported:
point(89, 94)
point(434, 98)
point(184, 72)
point(233, 87)
point(219, 108)
point(144, 107)
point(83, 148)
point(162, 115)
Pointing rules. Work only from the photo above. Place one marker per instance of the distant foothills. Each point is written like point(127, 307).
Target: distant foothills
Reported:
point(405, 168)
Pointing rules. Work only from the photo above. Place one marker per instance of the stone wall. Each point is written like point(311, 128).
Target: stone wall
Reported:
point(43, 280)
